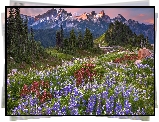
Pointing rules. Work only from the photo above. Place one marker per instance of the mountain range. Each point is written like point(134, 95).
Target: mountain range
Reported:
point(98, 23)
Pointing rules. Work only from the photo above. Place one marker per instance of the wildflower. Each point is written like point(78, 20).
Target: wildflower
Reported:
point(63, 110)
point(56, 106)
point(98, 112)
point(74, 111)
point(48, 111)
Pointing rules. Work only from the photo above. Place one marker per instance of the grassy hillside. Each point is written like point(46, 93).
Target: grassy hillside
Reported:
point(101, 40)
point(82, 84)
point(53, 59)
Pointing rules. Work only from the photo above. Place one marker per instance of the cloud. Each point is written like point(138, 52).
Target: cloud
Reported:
point(151, 21)
point(141, 15)
point(31, 11)
point(72, 10)
point(34, 11)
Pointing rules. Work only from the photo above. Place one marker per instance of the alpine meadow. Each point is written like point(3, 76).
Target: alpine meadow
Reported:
point(65, 63)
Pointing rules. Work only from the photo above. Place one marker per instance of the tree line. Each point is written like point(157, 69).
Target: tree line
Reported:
point(21, 45)
point(73, 43)
point(121, 35)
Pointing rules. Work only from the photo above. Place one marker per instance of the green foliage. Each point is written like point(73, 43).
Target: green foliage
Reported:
point(121, 35)
point(25, 50)
point(131, 81)
point(101, 40)
point(88, 39)
point(21, 45)
point(72, 44)
point(55, 53)
point(80, 40)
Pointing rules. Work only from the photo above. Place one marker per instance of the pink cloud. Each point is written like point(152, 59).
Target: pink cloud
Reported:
point(144, 20)
point(72, 10)
point(141, 15)
point(151, 21)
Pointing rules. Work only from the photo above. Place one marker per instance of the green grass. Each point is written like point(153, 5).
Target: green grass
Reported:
point(59, 55)
point(101, 40)
point(127, 76)
point(53, 59)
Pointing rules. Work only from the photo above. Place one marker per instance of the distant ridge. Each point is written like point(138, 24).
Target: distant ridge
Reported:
point(98, 23)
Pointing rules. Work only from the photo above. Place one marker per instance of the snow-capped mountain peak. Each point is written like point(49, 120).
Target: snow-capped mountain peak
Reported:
point(96, 22)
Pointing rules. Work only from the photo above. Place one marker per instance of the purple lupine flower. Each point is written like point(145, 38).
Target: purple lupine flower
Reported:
point(70, 88)
point(19, 107)
point(99, 111)
point(56, 93)
point(59, 112)
point(84, 102)
point(94, 87)
point(127, 107)
point(108, 106)
point(8, 82)
point(143, 111)
point(56, 106)
point(122, 113)
point(15, 110)
point(25, 110)
point(118, 108)
point(91, 103)
point(63, 110)
point(39, 108)
point(60, 92)
point(26, 102)
point(109, 83)
point(90, 106)
point(74, 111)
point(8, 95)
point(136, 99)
point(72, 102)
point(104, 94)
point(32, 111)
point(65, 91)
point(33, 101)
point(126, 94)
point(75, 91)
point(116, 91)
point(48, 111)
point(111, 98)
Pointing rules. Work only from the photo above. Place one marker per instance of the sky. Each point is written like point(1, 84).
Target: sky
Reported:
point(142, 15)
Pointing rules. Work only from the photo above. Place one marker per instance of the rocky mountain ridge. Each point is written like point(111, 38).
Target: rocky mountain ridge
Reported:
point(98, 23)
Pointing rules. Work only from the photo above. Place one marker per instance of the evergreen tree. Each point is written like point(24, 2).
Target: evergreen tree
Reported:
point(80, 40)
point(19, 46)
point(10, 32)
point(91, 40)
point(88, 39)
point(58, 39)
point(25, 45)
point(32, 42)
point(72, 41)
point(119, 34)
point(18, 34)
point(66, 45)
point(147, 44)
point(61, 38)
